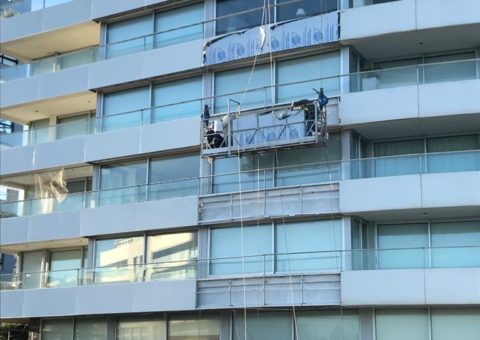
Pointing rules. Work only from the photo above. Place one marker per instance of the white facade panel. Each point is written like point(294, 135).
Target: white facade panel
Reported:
point(451, 189)
point(99, 299)
point(411, 287)
point(379, 105)
point(449, 98)
point(370, 194)
point(361, 22)
point(439, 13)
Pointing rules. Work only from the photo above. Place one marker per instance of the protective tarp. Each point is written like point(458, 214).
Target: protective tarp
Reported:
point(50, 190)
point(320, 29)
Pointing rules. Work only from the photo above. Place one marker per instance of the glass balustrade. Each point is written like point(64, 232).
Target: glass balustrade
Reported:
point(298, 263)
point(314, 173)
point(355, 82)
point(13, 8)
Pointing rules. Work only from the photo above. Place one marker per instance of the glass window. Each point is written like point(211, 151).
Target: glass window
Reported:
point(128, 180)
point(73, 126)
point(31, 269)
point(64, 268)
point(287, 10)
point(453, 161)
point(451, 324)
point(141, 329)
point(251, 16)
point(170, 256)
point(119, 260)
point(402, 165)
point(391, 237)
point(395, 73)
point(310, 165)
point(198, 328)
point(121, 36)
point(180, 91)
point(168, 22)
point(239, 81)
point(301, 69)
point(324, 325)
point(90, 329)
point(316, 237)
point(39, 132)
point(226, 250)
point(456, 244)
point(255, 173)
point(451, 67)
point(57, 329)
point(123, 109)
point(176, 176)
point(263, 326)
point(401, 324)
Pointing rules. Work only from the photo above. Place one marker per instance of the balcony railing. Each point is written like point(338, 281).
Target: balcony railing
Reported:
point(261, 265)
point(94, 199)
point(252, 99)
point(260, 179)
point(11, 8)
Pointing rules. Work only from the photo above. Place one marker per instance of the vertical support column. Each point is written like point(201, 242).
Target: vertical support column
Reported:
point(347, 243)
point(344, 69)
point(366, 320)
point(346, 142)
point(209, 15)
point(203, 253)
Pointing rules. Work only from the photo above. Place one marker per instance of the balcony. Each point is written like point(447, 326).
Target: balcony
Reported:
point(100, 212)
point(78, 140)
point(17, 7)
point(266, 280)
point(406, 16)
point(413, 92)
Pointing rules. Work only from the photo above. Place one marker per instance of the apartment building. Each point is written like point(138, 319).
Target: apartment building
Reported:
point(180, 174)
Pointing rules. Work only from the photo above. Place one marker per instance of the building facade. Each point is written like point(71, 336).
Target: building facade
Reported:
point(182, 176)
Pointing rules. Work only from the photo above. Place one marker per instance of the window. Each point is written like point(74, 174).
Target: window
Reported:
point(167, 95)
point(206, 327)
point(72, 126)
point(400, 324)
point(395, 166)
point(319, 242)
point(455, 324)
point(90, 329)
point(263, 326)
point(250, 15)
point(288, 167)
point(128, 181)
point(321, 238)
point(65, 268)
point(170, 255)
point(456, 244)
point(445, 154)
point(286, 10)
point(310, 165)
point(168, 22)
point(141, 329)
point(175, 176)
point(32, 267)
point(391, 237)
point(301, 69)
point(118, 260)
point(124, 109)
point(57, 329)
point(467, 160)
point(321, 325)
point(121, 36)
point(458, 66)
point(226, 250)
point(239, 82)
